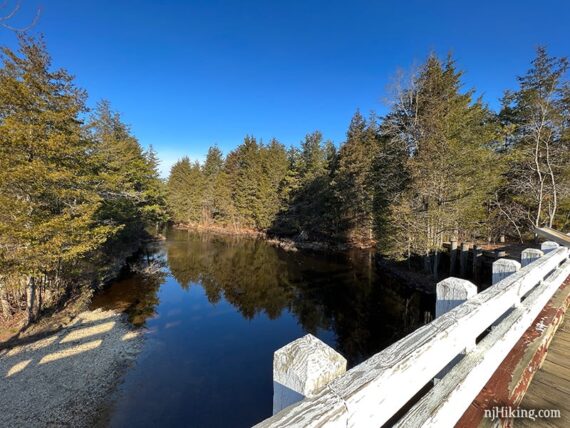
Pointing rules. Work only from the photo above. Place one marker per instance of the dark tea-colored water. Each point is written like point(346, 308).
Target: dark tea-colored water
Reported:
point(218, 309)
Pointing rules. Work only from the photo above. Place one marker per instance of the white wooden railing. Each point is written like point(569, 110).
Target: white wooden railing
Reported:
point(372, 393)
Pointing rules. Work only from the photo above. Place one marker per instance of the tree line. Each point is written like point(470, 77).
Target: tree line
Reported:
point(77, 190)
point(439, 165)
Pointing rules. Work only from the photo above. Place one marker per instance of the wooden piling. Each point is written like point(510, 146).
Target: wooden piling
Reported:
point(477, 258)
point(452, 256)
point(463, 259)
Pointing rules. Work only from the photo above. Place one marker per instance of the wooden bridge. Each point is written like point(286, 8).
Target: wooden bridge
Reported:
point(477, 357)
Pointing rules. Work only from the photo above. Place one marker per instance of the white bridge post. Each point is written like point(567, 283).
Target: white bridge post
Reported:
point(503, 268)
point(302, 369)
point(452, 292)
point(548, 246)
point(530, 255)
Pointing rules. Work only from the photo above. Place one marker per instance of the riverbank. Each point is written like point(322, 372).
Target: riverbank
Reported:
point(65, 302)
point(66, 376)
point(288, 244)
point(416, 279)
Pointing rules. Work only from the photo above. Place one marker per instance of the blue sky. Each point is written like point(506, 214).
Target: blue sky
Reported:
point(189, 74)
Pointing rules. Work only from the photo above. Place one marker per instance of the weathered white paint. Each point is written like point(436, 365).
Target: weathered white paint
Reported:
point(503, 268)
point(452, 292)
point(548, 246)
point(530, 255)
point(444, 405)
point(302, 369)
point(371, 393)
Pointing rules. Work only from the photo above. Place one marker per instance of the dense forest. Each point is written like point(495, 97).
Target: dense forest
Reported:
point(77, 191)
point(439, 165)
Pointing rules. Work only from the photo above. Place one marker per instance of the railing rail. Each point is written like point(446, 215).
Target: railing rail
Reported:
point(371, 393)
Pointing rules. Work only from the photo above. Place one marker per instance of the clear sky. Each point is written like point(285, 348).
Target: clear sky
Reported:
point(189, 74)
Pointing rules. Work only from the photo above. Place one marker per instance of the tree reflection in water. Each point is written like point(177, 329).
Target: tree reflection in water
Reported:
point(342, 293)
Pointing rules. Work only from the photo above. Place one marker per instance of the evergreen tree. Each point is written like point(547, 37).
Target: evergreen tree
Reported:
point(353, 181)
point(154, 208)
point(134, 196)
point(225, 211)
point(274, 166)
point(246, 176)
point(212, 168)
point(307, 191)
point(446, 139)
point(48, 185)
point(185, 191)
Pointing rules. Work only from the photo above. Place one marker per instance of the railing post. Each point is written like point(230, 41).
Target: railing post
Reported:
point(452, 292)
point(502, 268)
point(302, 369)
point(530, 255)
point(548, 246)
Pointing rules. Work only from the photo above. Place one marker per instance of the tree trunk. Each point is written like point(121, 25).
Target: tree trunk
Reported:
point(4, 304)
point(40, 293)
point(427, 262)
point(539, 175)
point(30, 300)
point(552, 211)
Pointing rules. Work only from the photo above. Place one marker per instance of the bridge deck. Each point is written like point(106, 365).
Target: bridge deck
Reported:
point(550, 387)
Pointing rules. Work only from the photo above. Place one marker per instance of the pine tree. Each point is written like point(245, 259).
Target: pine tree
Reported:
point(212, 167)
point(274, 166)
point(446, 139)
point(307, 192)
point(48, 180)
point(225, 211)
point(246, 176)
point(133, 194)
point(154, 208)
point(185, 191)
point(353, 182)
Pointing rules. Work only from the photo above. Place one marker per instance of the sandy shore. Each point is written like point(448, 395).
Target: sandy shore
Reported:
point(66, 378)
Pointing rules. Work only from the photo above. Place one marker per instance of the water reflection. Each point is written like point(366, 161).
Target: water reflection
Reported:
point(137, 295)
point(223, 305)
point(343, 293)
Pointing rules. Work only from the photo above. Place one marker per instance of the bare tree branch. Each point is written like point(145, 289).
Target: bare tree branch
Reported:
point(4, 19)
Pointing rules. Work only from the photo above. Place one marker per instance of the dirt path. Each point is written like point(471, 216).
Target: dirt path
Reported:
point(66, 378)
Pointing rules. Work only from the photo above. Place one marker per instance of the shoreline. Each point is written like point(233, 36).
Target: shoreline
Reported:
point(417, 280)
point(286, 244)
point(75, 371)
